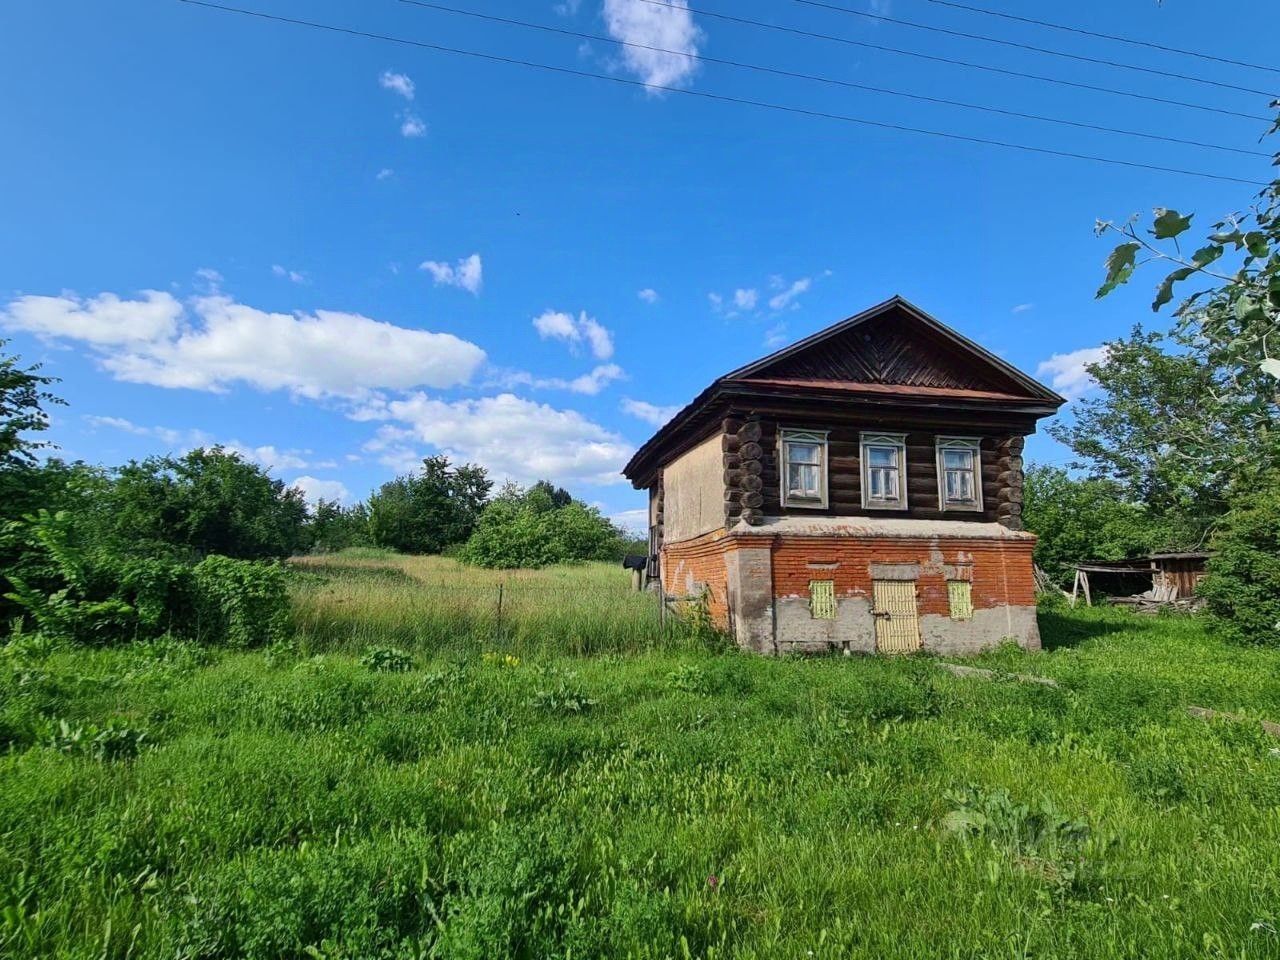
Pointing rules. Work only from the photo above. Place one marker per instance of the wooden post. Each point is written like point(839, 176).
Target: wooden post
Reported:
point(498, 625)
point(1084, 582)
point(636, 580)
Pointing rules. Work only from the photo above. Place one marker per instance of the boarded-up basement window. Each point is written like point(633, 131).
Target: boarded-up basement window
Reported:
point(822, 599)
point(960, 594)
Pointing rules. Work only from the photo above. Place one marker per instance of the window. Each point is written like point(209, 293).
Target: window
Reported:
point(959, 474)
point(884, 471)
point(822, 599)
point(960, 597)
point(804, 468)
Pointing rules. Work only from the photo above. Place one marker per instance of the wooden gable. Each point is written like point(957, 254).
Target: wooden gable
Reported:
point(893, 344)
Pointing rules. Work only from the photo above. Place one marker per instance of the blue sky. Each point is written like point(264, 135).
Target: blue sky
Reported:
point(340, 254)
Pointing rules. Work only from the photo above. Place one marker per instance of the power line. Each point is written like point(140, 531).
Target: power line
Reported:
point(703, 58)
point(1027, 46)
point(704, 95)
point(812, 35)
point(1105, 36)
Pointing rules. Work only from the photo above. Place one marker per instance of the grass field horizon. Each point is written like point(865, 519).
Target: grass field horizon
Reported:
point(581, 780)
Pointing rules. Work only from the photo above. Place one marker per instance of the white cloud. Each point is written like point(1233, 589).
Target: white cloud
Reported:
point(632, 521)
point(745, 299)
point(103, 321)
point(1022, 308)
point(589, 383)
point(667, 26)
point(557, 325)
point(314, 489)
point(649, 295)
point(776, 335)
point(293, 276)
point(412, 125)
point(567, 8)
point(268, 456)
point(1067, 373)
point(512, 437)
point(386, 173)
point(214, 342)
point(467, 274)
point(649, 412)
point(786, 299)
point(397, 83)
point(209, 276)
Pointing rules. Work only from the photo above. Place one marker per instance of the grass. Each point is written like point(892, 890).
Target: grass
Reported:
point(657, 800)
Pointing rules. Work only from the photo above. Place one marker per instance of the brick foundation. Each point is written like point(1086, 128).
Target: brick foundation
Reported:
point(757, 586)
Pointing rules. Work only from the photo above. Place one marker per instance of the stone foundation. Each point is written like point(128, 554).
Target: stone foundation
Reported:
point(757, 582)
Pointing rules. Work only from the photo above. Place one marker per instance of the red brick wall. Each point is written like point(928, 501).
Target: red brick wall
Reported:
point(1001, 570)
point(699, 562)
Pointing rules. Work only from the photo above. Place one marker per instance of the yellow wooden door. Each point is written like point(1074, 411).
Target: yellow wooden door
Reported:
point(897, 622)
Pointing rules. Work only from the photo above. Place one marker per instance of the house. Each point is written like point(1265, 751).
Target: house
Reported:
point(860, 490)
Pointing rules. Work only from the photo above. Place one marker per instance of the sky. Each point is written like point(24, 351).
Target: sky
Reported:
point(338, 254)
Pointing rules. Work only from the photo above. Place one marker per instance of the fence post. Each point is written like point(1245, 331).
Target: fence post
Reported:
point(498, 626)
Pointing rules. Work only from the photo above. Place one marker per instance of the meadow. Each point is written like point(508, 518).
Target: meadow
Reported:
point(414, 776)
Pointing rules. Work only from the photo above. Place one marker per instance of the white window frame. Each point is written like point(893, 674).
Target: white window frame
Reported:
point(974, 446)
point(898, 442)
point(818, 438)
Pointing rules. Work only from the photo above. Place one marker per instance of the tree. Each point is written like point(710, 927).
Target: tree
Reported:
point(528, 532)
point(209, 501)
point(1083, 519)
point(22, 400)
point(334, 527)
point(1175, 428)
point(426, 512)
point(1242, 586)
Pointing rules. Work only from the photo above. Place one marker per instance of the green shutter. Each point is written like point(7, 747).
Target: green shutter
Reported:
point(822, 599)
point(960, 594)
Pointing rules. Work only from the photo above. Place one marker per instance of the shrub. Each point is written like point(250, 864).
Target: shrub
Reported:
point(1242, 586)
point(531, 533)
point(242, 603)
point(387, 660)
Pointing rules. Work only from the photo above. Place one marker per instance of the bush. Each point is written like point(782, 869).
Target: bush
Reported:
point(242, 604)
point(527, 534)
point(1242, 586)
point(387, 660)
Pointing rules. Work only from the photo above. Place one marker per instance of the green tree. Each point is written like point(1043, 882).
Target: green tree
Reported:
point(1083, 519)
point(1175, 427)
point(23, 397)
point(1242, 587)
point(208, 501)
point(526, 528)
point(427, 511)
point(333, 527)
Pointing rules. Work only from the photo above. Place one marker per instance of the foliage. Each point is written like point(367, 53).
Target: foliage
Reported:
point(387, 660)
point(208, 501)
point(23, 397)
point(333, 527)
point(1242, 586)
point(112, 740)
point(320, 809)
point(526, 529)
point(1176, 428)
point(1079, 519)
point(243, 603)
point(427, 511)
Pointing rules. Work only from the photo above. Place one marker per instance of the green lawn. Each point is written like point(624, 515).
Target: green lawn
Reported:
point(655, 798)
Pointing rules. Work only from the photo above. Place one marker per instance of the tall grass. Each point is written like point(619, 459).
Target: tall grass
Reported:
point(435, 605)
point(161, 801)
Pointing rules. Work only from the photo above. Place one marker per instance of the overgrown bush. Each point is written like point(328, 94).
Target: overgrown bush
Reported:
point(1243, 582)
point(246, 604)
point(530, 534)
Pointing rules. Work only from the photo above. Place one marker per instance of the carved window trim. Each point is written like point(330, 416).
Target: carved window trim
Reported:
point(818, 439)
point(973, 447)
point(883, 475)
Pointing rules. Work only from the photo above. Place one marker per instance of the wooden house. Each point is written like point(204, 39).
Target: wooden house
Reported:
point(860, 490)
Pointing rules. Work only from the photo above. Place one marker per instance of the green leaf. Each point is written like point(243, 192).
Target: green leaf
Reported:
point(1169, 223)
point(1206, 255)
point(1234, 237)
point(1119, 265)
point(1256, 241)
point(1164, 293)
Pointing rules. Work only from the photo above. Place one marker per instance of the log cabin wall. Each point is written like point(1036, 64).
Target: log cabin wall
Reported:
point(1001, 471)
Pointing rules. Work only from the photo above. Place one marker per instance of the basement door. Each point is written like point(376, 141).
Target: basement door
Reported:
point(897, 622)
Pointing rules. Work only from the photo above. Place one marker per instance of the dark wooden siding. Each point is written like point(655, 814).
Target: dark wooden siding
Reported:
point(844, 473)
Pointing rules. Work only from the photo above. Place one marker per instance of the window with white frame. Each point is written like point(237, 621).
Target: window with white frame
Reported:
point(959, 473)
point(884, 471)
point(804, 468)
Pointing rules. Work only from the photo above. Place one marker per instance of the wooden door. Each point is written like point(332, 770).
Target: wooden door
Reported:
point(897, 622)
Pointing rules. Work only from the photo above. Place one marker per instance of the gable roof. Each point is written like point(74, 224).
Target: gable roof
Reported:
point(892, 350)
